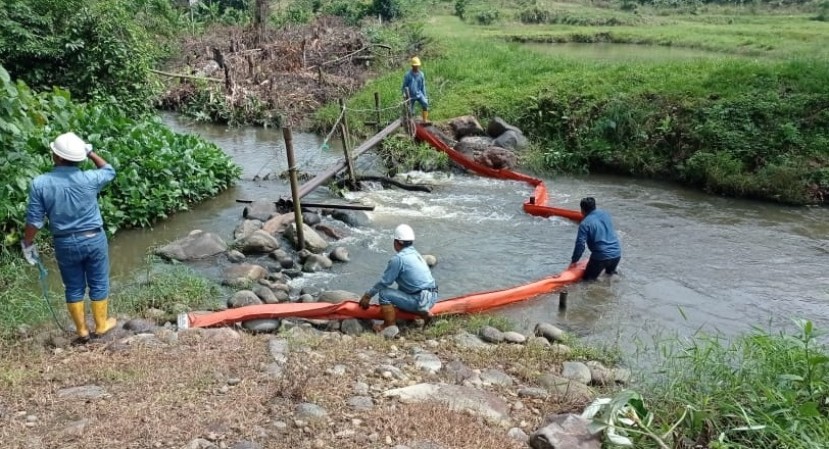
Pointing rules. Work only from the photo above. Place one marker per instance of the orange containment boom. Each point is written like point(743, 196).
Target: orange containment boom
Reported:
point(472, 303)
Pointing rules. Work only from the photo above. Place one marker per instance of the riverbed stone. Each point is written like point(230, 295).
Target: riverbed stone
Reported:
point(306, 298)
point(390, 332)
point(518, 435)
point(352, 327)
point(259, 242)
point(308, 411)
point(264, 325)
point(492, 376)
point(533, 392)
point(139, 326)
point(457, 372)
point(244, 274)
point(512, 140)
point(466, 340)
point(311, 218)
point(246, 228)
point(550, 332)
point(200, 443)
point(471, 144)
point(84, 392)
point(491, 335)
point(313, 241)
point(246, 445)
point(430, 260)
point(496, 157)
point(457, 397)
point(259, 210)
point(323, 260)
point(265, 294)
point(576, 371)
point(514, 337)
point(312, 266)
point(292, 273)
point(330, 231)
point(235, 256)
point(243, 298)
point(278, 223)
point(565, 388)
point(339, 254)
point(498, 126)
point(361, 403)
point(538, 341)
point(197, 245)
point(621, 375)
point(428, 362)
point(337, 296)
point(565, 431)
point(464, 126)
point(354, 219)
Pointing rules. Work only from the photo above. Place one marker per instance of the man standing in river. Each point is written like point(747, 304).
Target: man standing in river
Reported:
point(68, 197)
point(414, 89)
point(416, 290)
point(597, 232)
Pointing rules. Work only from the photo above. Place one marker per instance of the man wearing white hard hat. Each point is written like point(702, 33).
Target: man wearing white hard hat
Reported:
point(416, 290)
point(414, 89)
point(68, 197)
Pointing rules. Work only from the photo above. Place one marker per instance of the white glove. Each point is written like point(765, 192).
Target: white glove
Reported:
point(30, 253)
point(88, 148)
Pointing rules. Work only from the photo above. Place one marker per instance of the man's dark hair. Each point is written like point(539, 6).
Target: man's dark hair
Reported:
point(404, 243)
point(587, 205)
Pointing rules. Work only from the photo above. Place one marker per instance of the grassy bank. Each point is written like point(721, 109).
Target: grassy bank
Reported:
point(742, 126)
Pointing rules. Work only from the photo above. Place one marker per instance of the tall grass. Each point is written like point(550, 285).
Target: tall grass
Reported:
point(20, 300)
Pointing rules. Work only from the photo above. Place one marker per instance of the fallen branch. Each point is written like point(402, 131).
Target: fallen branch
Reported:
point(181, 75)
point(385, 181)
point(334, 61)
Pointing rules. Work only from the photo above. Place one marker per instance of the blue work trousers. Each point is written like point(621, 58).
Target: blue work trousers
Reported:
point(414, 303)
point(83, 260)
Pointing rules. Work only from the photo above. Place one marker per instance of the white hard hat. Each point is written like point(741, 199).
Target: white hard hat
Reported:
point(70, 147)
point(404, 233)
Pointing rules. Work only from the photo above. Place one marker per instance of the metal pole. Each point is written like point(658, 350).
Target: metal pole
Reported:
point(562, 300)
point(377, 110)
point(346, 148)
point(289, 148)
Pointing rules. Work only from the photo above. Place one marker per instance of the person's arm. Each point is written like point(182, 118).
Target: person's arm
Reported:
point(104, 173)
point(581, 240)
point(389, 276)
point(35, 215)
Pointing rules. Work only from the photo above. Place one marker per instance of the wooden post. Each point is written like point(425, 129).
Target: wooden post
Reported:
point(377, 111)
point(289, 148)
point(407, 125)
point(346, 148)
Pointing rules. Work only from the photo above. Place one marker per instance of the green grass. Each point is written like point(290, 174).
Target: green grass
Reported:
point(453, 324)
point(174, 290)
point(21, 301)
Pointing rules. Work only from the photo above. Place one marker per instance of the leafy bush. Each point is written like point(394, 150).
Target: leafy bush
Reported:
point(159, 171)
point(487, 17)
point(388, 10)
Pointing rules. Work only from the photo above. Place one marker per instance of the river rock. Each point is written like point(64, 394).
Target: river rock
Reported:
point(390, 332)
point(576, 371)
point(310, 290)
point(514, 337)
point(311, 218)
point(309, 412)
point(259, 210)
point(246, 228)
point(244, 274)
point(352, 327)
point(313, 241)
point(538, 341)
point(339, 254)
point(466, 125)
point(235, 256)
point(469, 145)
point(246, 445)
point(565, 388)
point(456, 397)
point(512, 140)
point(200, 443)
point(532, 392)
point(85, 392)
point(550, 332)
point(498, 126)
point(260, 242)
point(361, 403)
point(265, 294)
point(621, 375)
point(457, 372)
point(286, 263)
point(323, 260)
point(139, 326)
point(197, 245)
point(243, 298)
point(494, 376)
point(426, 361)
point(518, 435)
point(279, 350)
point(306, 298)
point(566, 431)
point(264, 325)
point(430, 260)
point(278, 223)
point(352, 218)
point(497, 158)
point(331, 232)
point(491, 335)
point(337, 296)
point(466, 340)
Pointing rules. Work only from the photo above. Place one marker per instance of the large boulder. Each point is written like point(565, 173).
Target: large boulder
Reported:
point(351, 218)
point(498, 126)
point(243, 274)
point(567, 431)
point(243, 298)
point(259, 242)
point(197, 245)
point(259, 210)
point(246, 228)
point(313, 241)
point(278, 223)
point(464, 126)
point(469, 145)
point(497, 158)
point(512, 140)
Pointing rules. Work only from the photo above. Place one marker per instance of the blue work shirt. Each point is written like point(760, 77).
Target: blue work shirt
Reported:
point(408, 268)
point(596, 230)
point(69, 197)
point(416, 82)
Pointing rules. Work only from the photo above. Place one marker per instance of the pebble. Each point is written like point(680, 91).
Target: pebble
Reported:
point(234, 381)
point(280, 425)
point(361, 389)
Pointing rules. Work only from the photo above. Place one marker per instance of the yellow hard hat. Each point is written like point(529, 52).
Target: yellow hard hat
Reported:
point(416, 61)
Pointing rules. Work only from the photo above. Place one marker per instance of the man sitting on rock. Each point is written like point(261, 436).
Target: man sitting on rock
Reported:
point(417, 291)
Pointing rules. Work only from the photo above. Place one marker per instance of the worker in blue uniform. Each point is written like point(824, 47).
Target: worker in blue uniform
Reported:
point(597, 233)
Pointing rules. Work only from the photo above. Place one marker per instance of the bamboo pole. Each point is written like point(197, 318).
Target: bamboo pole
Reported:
point(349, 163)
point(289, 148)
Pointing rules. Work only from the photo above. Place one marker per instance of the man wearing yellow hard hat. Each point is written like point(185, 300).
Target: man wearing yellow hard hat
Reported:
point(414, 85)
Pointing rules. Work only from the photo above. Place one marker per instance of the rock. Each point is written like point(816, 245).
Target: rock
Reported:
point(576, 371)
point(425, 445)
point(243, 298)
point(512, 140)
point(216, 335)
point(392, 371)
point(200, 443)
point(565, 388)
point(265, 294)
point(139, 326)
point(498, 126)
point(491, 335)
point(464, 126)
point(154, 314)
point(390, 332)
point(311, 218)
point(306, 298)
point(312, 266)
point(456, 397)
point(352, 327)
point(561, 350)
point(466, 340)
point(260, 242)
point(339, 254)
point(550, 332)
point(337, 296)
point(278, 223)
point(259, 210)
point(244, 274)
point(313, 241)
point(166, 336)
point(430, 260)
point(273, 371)
point(303, 255)
point(197, 245)
point(538, 341)
point(621, 375)
point(337, 370)
point(310, 290)
point(361, 389)
point(534, 393)
point(85, 392)
point(458, 372)
point(264, 325)
point(334, 233)
point(514, 337)
point(518, 435)
point(323, 260)
point(246, 445)
point(286, 263)
point(309, 412)
point(279, 350)
point(207, 70)
point(600, 374)
point(246, 228)
point(470, 145)
point(496, 377)
point(235, 256)
point(426, 361)
point(565, 432)
point(361, 403)
point(76, 428)
point(352, 218)
point(496, 157)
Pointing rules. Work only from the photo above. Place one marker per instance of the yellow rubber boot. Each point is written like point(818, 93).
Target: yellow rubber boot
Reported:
point(76, 311)
point(99, 313)
point(425, 115)
point(389, 317)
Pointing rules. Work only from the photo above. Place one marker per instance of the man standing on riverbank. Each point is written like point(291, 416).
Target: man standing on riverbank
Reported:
point(68, 196)
point(416, 290)
point(597, 232)
point(414, 89)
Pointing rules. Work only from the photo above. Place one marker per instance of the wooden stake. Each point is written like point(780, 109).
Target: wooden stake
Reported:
point(377, 111)
point(349, 163)
point(289, 148)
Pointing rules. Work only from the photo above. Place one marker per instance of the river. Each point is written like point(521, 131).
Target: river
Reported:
point(691, 261)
